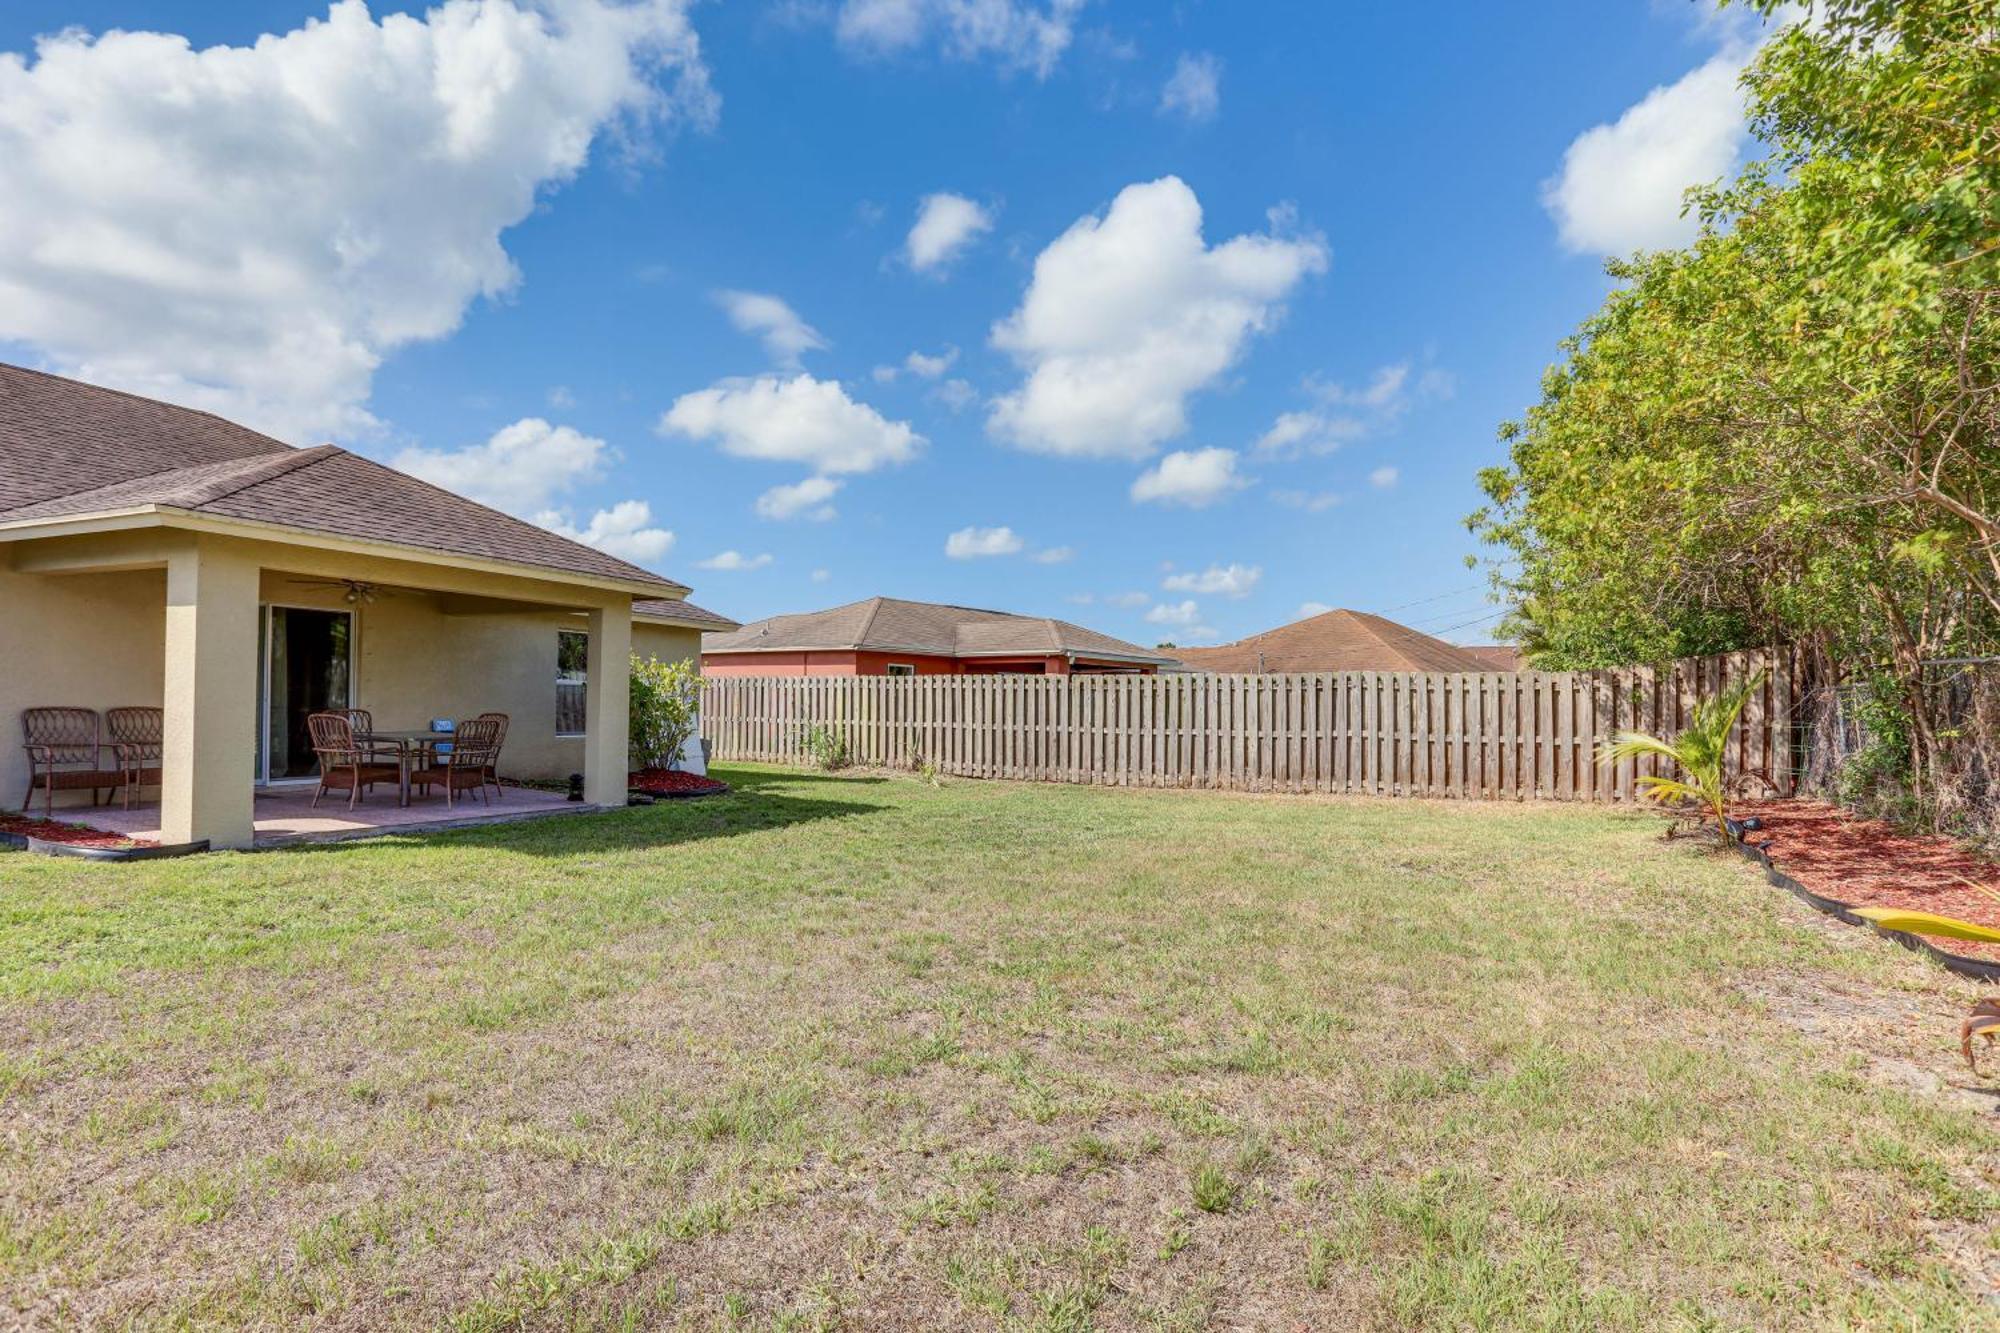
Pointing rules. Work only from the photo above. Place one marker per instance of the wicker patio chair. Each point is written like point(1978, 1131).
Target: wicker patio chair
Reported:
point(66, 753)
point(499, 743)
point(474, 747)
point(139, 734)
point(344, 765)
point(363, 722)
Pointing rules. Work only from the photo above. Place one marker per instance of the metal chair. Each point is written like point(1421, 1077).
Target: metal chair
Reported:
point(343, 764)
point(499, 743)
point(474, 747)
point(139, 735)
point(66, 753)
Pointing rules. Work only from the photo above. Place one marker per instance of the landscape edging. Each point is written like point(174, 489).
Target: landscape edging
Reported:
point(1976, 969)
point(143, 852)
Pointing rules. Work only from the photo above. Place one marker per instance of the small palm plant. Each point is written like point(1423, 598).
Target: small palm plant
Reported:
point(1699, 752)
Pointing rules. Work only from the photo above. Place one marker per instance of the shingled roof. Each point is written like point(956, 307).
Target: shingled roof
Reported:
point(683, 611)
point(1336, 641)
point(890, 624)
point(70, 449)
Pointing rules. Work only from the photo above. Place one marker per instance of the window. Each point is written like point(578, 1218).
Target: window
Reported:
point(572, 680)
point(901, 669)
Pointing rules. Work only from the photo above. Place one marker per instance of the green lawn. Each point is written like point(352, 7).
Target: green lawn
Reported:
point(868, 1053)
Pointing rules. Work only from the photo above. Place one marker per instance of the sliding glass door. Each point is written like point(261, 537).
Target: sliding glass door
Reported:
point(307, 668)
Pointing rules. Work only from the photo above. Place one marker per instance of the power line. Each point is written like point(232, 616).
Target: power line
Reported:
point(1470, 623)
point(1456, 592)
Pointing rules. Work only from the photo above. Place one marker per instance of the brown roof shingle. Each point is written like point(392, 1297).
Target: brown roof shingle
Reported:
point(891, 624)
point(69, 448)
point(1335, 641)
point(683, 610)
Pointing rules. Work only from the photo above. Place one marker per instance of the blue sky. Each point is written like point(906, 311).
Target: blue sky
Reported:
point(558, 320)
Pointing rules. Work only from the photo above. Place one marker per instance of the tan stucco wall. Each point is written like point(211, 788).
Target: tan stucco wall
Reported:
point(97, 640)
point(85, 641)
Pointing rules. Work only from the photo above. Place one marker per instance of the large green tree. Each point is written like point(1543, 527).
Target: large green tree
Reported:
point(1787, 430)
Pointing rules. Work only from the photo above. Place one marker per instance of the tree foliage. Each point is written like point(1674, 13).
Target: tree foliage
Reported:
point(665, 709)
point(1787, 430)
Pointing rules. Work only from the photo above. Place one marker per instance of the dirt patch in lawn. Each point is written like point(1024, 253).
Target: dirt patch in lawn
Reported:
point(1867, 863)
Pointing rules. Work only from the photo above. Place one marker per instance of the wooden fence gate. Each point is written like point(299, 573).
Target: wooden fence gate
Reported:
point(1510, 735)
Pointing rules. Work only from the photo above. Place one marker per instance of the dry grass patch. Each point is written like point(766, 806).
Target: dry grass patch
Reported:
point(868, 1053)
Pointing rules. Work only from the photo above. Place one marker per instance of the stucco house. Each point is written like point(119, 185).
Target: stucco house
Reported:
point(887, 636)
point(157, 555)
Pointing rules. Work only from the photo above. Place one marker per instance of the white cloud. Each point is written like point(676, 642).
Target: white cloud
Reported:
point(920, 364)
point(792, 420)
point(1130, 314)
point(1384, 477)
point(1621, 184)
point(930, 367)
point(806, 499)
point(1307, 610)
point(1388, 394)
point(821, 575)
point(253, 229)
point(956, 394)
point(1174, 613)
point(1297, 433)
point(785, 336)
point(1384, 391)
point(1055, 555)
point(1313, 502)
point(624, 530)
point(1230, 580)
point(974, 543)
point(561, 397)
point(1194, 91)
point(520, 469)
point(1191, 477)
point(730, 562)
point(946, 224)
point(1018, 34)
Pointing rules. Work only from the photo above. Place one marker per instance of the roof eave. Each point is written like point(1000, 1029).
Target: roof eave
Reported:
point(704, 624)
point(164, 516)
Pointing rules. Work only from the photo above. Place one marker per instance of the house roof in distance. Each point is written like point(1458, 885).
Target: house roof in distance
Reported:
point(75, 450)
point(1337, 641)
point(890, 624)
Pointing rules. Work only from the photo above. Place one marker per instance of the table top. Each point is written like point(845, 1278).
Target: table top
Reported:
point(380, 734)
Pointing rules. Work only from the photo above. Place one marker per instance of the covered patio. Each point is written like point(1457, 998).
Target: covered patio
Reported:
point(162, 563)
point(285, 814)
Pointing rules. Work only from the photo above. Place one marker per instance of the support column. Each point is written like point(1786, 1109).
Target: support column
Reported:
point(607, 737)
point(210, 739)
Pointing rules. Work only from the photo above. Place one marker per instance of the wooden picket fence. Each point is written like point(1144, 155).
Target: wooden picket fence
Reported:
point(1477, 735)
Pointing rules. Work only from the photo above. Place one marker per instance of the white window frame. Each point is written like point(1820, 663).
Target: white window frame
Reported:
point(899, 668)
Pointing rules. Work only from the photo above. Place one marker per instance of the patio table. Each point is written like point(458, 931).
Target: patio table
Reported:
point(408, 745)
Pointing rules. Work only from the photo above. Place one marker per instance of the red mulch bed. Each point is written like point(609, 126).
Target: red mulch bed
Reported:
point(673, 780)
point(1867, 863)
point(50, 830)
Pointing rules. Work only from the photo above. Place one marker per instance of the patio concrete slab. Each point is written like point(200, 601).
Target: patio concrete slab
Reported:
point(286, 815)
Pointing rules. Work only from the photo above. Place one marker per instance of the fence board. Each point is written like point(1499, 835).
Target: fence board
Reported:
point(1481, 735)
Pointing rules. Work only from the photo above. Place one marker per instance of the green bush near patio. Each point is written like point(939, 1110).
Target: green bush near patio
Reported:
point(867, 1052)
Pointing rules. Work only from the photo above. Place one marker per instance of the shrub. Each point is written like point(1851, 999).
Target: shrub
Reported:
point(666, 703)
point(828, 748)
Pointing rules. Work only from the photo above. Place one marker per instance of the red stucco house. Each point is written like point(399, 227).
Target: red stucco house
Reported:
point(885, 636)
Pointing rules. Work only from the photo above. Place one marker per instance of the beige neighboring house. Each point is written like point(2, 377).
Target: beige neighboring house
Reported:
point(156, 555)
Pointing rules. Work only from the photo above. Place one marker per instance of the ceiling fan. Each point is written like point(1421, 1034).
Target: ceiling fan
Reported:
point(357, 592)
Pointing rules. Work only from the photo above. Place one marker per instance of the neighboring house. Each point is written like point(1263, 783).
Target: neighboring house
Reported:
point(156, 555)
point(885, 636)
point(1341, 641)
